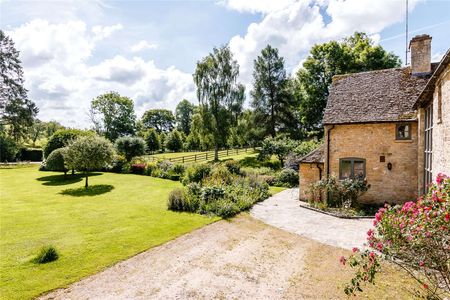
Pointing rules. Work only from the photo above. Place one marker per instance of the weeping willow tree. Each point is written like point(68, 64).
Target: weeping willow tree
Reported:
point(218, 93)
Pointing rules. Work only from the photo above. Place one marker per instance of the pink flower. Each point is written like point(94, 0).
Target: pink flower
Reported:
point(447, 217)
point(421, 263)
point(380, 246)
point(342, 260)
point(425, 286)
point(355, 249)
point(372, 255)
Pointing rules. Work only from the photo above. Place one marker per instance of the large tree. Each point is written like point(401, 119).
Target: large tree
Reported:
point(217, 91)
point(113, 115)
point(311, 85)
point(271, 101)
point(183, 115)
point(17, 112)
point(162, 120)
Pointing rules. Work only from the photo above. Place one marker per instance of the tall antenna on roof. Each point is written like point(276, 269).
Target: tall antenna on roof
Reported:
point(406, 35)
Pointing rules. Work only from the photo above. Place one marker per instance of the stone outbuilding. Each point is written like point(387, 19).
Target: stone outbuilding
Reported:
point(373, 129)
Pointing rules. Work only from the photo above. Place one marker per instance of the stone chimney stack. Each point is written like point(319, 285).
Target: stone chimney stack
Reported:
point(420, 47)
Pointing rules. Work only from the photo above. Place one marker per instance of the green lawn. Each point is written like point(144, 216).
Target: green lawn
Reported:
point(122, 216)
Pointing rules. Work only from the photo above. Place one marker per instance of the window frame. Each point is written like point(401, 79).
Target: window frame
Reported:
point(398, 137)
point(352, 168)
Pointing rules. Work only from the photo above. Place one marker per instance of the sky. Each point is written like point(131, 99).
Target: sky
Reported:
point(75, 50)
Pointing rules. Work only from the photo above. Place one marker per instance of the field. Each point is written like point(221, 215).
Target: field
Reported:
point(121, 215)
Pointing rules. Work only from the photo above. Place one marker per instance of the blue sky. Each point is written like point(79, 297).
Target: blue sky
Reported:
point(73, 51)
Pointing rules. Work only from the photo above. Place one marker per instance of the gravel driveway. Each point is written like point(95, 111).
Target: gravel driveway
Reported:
point(283, 210)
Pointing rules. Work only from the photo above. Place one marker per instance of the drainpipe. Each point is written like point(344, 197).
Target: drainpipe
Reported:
point(328, 150)
point(320, 171)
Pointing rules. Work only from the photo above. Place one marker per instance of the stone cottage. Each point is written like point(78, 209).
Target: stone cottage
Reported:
point(377, 125)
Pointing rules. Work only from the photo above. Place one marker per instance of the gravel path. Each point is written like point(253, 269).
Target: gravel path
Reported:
point(283, 210)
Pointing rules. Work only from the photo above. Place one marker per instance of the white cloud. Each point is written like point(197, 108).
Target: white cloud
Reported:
point(256, 6)
point(295, 26)
point(62, 80)
point(142, 45)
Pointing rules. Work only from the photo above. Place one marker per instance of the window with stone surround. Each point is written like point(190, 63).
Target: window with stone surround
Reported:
point(403, 132)
point(352, 167)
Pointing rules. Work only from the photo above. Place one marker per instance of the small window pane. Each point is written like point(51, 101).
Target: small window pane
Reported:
point(359, 169)
point(403, 132)
point(346, 169)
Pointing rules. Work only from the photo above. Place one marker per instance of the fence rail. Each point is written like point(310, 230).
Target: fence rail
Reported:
point(205, 156)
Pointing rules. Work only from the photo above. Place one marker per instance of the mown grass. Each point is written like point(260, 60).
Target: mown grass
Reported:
point(117, 217)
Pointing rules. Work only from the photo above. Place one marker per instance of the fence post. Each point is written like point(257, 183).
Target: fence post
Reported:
point(206, 155)
point(195, 158)
point(183, 159)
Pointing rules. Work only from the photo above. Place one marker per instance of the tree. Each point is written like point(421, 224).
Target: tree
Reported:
point(56, 161)
point(215, 77)
point(280, 147)
point(36, 131)
point(17, 112)
point(8, 148)
point(271, 101)
point(311, 85)
point(130, 147)
point(183, 115)
point(199, 138)
point(117, 117)
point(51, 127)
point(89, 153)
point(61, 138)
point(152, 140)
point(162, 120)
point(174, 141)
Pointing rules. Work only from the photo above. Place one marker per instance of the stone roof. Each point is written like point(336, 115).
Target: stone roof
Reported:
point(375, 96)
point(315, 156)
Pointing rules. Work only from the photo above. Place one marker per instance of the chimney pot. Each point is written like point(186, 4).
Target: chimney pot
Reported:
point(420, 47)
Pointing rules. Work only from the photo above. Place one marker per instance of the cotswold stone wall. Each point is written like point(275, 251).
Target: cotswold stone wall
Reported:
point(371, 142)
point(309, 173)
point(441, 128)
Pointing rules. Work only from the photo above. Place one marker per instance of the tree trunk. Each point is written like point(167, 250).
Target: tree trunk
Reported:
point(216, 152)
point(73, 171)
point(65, 174)
point(86, 184)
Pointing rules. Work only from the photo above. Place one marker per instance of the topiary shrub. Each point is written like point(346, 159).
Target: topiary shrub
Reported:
point(287, 178)
point(62, 137)
point(8, 148)
point(130, 147)
point(56, 161)
point(46, 254)
point(29, 154)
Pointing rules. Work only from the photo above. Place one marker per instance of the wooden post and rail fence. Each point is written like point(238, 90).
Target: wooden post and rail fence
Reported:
point(205, 156)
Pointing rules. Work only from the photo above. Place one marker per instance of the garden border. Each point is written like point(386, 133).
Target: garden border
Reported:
point(335, 215)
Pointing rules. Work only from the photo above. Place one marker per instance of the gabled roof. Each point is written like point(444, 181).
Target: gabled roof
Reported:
point(427, 92)
point(315, 156)
point(375, 96)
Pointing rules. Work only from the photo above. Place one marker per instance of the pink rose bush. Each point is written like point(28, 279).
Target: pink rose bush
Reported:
point(415, 236)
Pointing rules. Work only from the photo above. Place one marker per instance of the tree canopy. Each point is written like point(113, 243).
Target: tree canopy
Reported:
point(273, 105)
point(152, 140)
point(162, 120)
point(113, 115)
point(17, 112)
point(217, 92)
point(312, 82)
point(183, 115)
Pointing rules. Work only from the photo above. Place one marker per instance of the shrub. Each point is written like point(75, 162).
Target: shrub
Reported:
point(287, 178)
point(117, 164)
point(178, 169)
point(280, 147)
point(176, 200)
point(150, 168)
point(62, 137)
point(46, 254)
point(269, 179)
point(196, 173)
point(8, 148)
point(343, 193)
point(414, 236)
point(138, 168)
point(233, 166)
point(27, 154)
point(220, 175)
point(56, 161)
point(130, 147)
point(223, 208)
point(212, 193)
